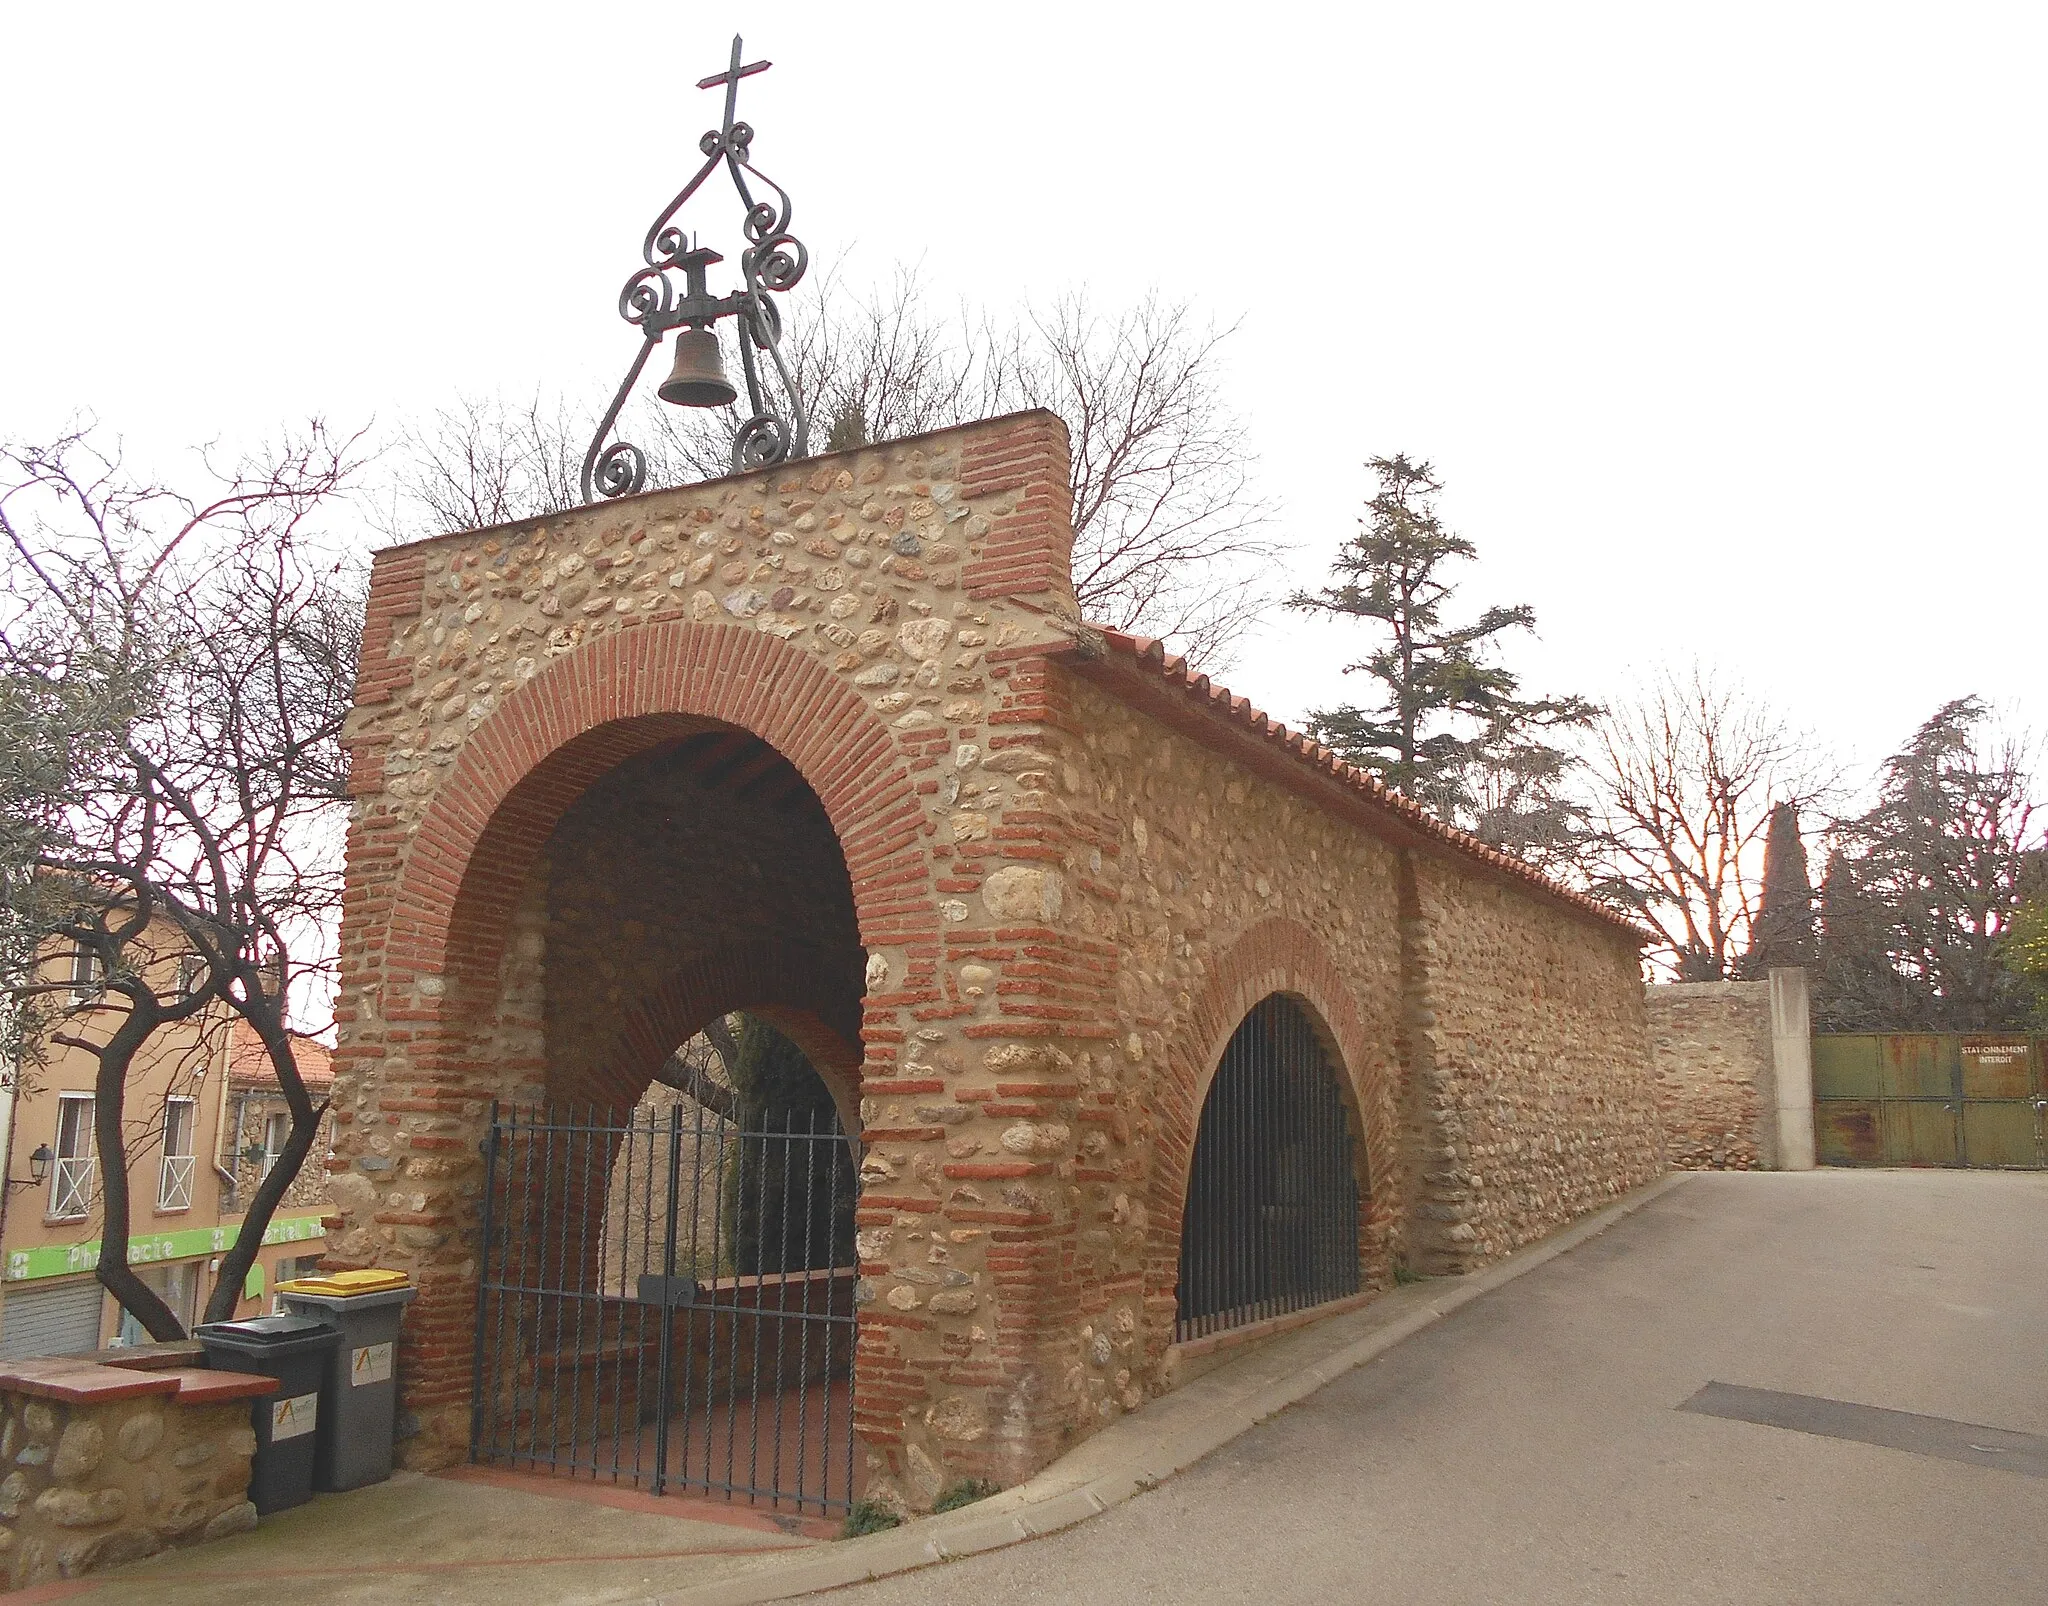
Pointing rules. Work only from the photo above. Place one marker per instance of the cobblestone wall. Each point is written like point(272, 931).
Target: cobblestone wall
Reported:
point(1532, 1070)
point(1715, 1081)
point(94, 1484)
point(1039, 878)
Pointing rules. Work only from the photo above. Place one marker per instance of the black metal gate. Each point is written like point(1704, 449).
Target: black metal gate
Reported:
point(1271, 1223)
point(667, 1301)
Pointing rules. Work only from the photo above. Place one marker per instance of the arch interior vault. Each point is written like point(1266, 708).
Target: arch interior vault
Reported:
point(667, 1276)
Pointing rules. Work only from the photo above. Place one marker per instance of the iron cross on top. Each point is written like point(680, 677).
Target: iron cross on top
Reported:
point(731, 79)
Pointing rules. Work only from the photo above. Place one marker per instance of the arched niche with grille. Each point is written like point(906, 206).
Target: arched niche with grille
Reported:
point(1271, 1223)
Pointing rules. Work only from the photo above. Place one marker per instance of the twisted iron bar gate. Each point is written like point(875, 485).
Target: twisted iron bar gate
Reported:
point(667, 1300)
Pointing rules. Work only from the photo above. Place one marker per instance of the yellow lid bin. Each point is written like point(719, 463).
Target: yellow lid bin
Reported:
point(358, 1414)
point(341, 1284)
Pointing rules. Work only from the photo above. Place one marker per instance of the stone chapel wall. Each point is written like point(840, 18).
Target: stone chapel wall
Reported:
point(1065, 900)
point(1532, 1067)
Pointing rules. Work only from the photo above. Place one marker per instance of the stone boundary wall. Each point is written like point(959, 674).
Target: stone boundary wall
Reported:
point(1734, 1077)
point(1712, 1046)
point(109, 1464)
point(1531, 1084)
point(1492, 1026)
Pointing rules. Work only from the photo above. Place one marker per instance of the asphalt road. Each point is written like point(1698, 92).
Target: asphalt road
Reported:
point(1530, 1448)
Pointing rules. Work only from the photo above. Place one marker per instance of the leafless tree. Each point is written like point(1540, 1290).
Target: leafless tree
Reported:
point(1170, 535)
point(1172, 538)
point(705, 1066)
point(479, 463)
point(1684, 776)
point(174, 673)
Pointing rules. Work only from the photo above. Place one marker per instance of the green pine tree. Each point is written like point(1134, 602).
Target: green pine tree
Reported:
point(1449, 727)
point(1919, 904)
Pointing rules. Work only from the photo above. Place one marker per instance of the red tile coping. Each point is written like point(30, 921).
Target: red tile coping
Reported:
point(81, 1382)
point(75, 1380)
point(198, 1385)
point(152, 1357)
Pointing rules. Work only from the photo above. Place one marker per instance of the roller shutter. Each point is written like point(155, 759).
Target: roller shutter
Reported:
point(63, 1319)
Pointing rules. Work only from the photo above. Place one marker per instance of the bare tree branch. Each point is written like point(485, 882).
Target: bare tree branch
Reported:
point(1684, 779)
point(174, 674)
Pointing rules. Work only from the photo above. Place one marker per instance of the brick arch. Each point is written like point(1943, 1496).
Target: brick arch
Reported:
point(1274, 956)
point(781, 982)
point(615, 697)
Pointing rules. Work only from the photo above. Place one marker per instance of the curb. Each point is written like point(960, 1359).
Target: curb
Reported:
point(1139, 1452)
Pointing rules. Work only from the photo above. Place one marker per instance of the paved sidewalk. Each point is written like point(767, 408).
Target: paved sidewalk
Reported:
point(474, 1539)
point(448, 1541)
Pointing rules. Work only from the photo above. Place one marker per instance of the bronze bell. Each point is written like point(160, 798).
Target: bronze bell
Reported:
point(698, 379)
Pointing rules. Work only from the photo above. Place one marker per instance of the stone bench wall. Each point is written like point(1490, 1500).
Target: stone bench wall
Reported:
point(106, 1465)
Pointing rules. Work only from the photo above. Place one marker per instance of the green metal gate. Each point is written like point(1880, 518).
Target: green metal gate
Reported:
point(1922, 1098)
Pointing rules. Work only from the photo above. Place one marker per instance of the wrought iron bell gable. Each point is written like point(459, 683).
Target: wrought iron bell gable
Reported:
point(654, 302)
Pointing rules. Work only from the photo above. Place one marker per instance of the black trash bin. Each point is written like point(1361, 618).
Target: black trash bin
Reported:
point(296, 1351)
point(359, 1396)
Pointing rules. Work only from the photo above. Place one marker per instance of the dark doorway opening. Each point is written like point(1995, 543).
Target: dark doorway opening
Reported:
point(667, 1267)
point(1271, 1223)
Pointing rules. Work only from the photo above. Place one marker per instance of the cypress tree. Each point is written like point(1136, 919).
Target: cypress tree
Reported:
point(789, 1197)
point(1783, 931)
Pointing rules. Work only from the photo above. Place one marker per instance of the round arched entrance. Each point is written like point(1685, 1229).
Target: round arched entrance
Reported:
point(667, 1280)
point(676, 822)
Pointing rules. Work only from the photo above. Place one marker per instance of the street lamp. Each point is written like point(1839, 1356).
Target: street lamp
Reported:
point(773, 261)
point(38, 1168)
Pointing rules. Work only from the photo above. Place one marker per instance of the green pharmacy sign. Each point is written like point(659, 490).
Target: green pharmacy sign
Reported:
point(64, 1260)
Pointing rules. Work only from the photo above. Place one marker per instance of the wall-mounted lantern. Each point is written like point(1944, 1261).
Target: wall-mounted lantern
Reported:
point(38, 1168)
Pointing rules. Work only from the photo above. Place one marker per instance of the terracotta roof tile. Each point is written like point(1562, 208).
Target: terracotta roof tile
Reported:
point(249, 1062)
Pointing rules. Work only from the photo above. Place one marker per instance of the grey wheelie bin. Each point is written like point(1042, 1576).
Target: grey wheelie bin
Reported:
point(296, 1350)
point(359, 1396)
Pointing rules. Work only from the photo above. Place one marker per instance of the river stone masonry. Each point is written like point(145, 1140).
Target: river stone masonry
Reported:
point(104, 1465)
point(1033, 877)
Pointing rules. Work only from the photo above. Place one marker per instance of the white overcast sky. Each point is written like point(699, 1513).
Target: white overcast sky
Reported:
point(1724, 324)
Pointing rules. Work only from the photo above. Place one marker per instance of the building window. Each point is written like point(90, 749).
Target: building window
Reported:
point(276, 1128)
point(289, 1269)
point(85, 976)
point(71, 1177)
point(174, 1180)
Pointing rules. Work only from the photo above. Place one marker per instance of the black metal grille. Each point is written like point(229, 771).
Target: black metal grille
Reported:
point(668, 1301)
point(1271, 1223)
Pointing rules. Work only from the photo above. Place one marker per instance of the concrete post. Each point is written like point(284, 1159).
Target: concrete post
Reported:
point(1792, 1064)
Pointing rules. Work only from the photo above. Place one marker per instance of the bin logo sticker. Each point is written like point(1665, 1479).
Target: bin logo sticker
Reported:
point(370, 1364)
point(293, 1418)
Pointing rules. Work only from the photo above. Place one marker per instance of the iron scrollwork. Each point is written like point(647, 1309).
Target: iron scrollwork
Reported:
point(773, 261)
